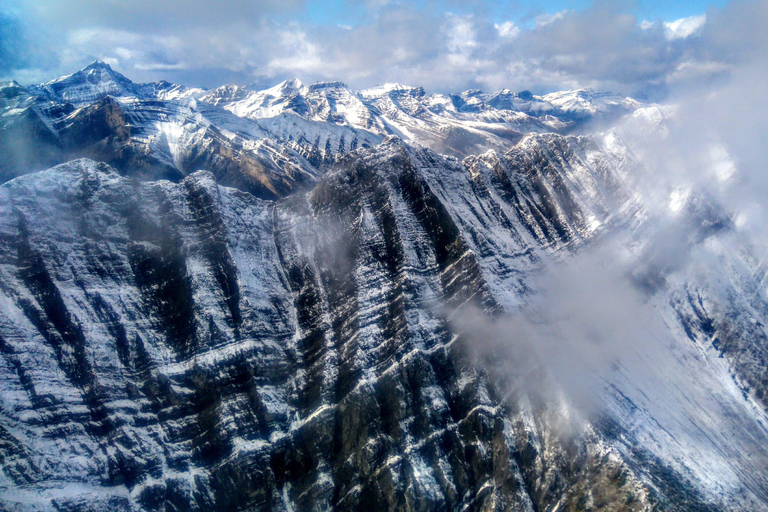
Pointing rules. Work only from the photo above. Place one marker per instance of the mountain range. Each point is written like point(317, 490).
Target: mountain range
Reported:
point(313, 298)
point(267, 142)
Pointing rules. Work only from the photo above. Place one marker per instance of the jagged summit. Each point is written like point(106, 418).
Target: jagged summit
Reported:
point(11, 89)
point(383, 89)
point(91, 83)
point(293, 83)
point(97, 64)
point(164, 129)
point(97, 71)
point(225, 94)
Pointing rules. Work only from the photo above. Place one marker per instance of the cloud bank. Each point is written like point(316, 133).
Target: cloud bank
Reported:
point(439, 45)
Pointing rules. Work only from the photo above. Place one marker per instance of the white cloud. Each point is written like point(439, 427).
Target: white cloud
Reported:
point(696, 70)
point(722, 165)
point(546, 19)
point(124, 53)
point(160, 66)
point(507, 29)
point(298, 54)
point(684, 27)
point(460, 34)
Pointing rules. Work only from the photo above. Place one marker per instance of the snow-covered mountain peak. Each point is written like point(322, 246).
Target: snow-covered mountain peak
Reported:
point(287, 88)
point(259, 104)
point(9, 83)
point(392, 141)
point(98, 80)
point(99, 64)
point(10, 89)
point(91, 83)
point(164, 90)
point(225, 94)
point(585, 102)
point(524, 101)
point(384, 89)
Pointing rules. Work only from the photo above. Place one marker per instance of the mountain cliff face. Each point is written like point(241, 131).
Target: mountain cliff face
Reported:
point(376, 340)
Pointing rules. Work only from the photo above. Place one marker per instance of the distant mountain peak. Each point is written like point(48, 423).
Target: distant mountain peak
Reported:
point(317, 86)
point(383, 89)
point(98, 64)
point(91, 83)
point(225, 94)
point(292, 83)
point(96, 71)
point(10, 84)
point(97, 68)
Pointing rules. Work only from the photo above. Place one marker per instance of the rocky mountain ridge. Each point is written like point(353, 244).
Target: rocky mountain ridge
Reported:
point(269, 142)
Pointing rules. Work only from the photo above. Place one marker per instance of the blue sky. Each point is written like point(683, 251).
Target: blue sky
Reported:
point(522, 12)
point(673, 10)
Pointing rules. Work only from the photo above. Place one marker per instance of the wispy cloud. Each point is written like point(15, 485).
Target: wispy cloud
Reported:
point(684, 27)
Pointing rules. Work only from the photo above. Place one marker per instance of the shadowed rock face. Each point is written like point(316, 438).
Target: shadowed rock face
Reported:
point(187, 346)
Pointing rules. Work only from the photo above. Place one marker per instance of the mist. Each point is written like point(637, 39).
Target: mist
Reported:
point(584, 317)
point(703, 178)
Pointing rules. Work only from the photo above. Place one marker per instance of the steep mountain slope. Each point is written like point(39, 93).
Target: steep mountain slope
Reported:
point(189, 346)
